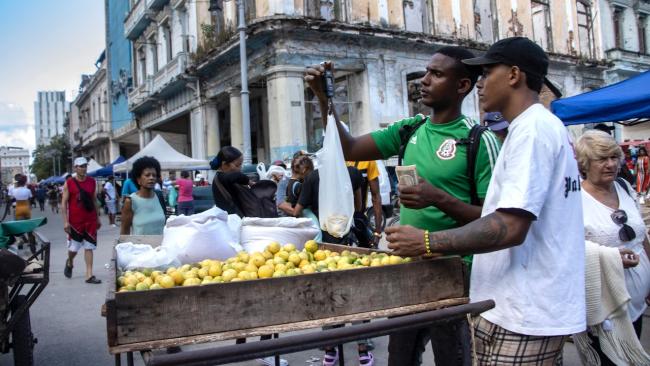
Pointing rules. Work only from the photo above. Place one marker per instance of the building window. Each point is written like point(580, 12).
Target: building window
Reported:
point(643, 28)
point(541, 14)
point(618, 28)
point(167, 38)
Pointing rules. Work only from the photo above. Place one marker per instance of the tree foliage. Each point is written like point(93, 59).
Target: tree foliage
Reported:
point(47, 158)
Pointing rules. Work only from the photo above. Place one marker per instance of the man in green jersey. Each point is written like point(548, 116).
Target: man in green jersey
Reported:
point(442, 200)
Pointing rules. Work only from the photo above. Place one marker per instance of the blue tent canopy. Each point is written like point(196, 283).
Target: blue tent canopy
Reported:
point(627, 102)
point(108, 169)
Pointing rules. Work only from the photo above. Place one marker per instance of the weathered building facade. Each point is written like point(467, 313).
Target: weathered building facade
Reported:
point(164, 99)
point(92, 136)
point(380, 48)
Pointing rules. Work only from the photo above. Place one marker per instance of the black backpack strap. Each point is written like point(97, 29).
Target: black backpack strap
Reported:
point(473, 142)
point(161, 199)
point(623, 184)
point(405, 133)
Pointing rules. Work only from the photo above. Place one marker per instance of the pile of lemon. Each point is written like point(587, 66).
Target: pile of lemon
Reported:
point(274, 261)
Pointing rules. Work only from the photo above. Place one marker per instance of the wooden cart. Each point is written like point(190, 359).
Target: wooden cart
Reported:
point(149, 320)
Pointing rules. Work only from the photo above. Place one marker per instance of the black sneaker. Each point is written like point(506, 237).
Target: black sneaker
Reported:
point(67, 271)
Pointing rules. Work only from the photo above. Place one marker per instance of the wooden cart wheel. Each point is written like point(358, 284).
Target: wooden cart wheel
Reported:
point(22, 337)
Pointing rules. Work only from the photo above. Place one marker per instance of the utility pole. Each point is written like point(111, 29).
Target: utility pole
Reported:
point(245, 110)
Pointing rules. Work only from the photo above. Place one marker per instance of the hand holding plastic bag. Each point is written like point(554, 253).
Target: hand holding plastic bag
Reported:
point(335, 195)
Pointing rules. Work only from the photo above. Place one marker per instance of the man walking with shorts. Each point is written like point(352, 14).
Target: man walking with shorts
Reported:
point(80, 218)
point(110, 195)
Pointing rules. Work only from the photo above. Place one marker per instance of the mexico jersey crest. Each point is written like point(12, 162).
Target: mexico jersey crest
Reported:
point(447, 149)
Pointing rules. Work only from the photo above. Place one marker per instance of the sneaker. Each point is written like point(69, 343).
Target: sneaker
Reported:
point(366, 359)
point(67, 271)
point(270, 361)
point(331, 358)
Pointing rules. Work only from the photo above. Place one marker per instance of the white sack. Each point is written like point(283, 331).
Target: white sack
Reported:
point(335, 196)
point(207, 235)
point(132, 256)
point(257, 233)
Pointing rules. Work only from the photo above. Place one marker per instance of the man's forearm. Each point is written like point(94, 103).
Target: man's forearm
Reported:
point(458, 210)
point(493, 232)
point(64, 211)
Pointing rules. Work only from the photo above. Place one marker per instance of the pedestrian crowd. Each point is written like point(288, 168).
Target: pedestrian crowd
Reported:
point(549, 229)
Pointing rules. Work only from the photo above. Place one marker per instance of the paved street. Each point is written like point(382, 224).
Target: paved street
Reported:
point(66, 317)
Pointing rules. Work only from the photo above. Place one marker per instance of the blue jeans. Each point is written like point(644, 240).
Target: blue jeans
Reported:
point(186, 208)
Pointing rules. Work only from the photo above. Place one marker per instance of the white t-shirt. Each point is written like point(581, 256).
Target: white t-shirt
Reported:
point(600, 229)
point(21, 193)
point(110, 191)
point(539, 285)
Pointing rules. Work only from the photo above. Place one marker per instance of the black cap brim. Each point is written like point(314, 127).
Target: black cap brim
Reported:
point(554, 89)
point(478, 61)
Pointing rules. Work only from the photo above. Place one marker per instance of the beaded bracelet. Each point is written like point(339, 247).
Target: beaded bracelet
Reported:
point(427, 244)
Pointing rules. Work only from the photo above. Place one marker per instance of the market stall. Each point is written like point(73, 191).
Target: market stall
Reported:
point(107, 170)
point(626, 102)
point(167, 156)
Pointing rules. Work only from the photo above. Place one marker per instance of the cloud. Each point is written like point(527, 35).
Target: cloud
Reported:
point(12, 117)
point(20, 137)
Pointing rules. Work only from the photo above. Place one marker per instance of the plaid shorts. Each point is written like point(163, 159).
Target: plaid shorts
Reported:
point(495, 346)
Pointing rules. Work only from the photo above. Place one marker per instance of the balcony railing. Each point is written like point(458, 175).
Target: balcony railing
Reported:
point(137, 20)
point(156, 4)
point(617, 54)
point(169, 72)
point(141, 92)
point(96, 131)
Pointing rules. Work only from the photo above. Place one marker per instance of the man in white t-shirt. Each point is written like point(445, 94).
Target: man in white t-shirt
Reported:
point(531, 230)
point(110, 195)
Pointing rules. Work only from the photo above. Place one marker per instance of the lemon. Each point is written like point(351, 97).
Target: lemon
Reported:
point(218, 279)
point(185, 267)
point(270, 262)
point(209, 278)
point(155, 286)
point(257, 260)
point(320, 255)
point(236, 279)
point(345, 253)
point(205, 263)
point(227, 266)
point(290, 265)
point(291, 272)
point(170, 270)
point(244, 275)
point(141, 286)
point(365, 261)
point(294, 258)
point(385, 261)
point(244, 257)
point(289, 248)
point(189, 274)
point(167, 281)
point(202, 273)
point(279, 274)
point(331, 266)
point(303, 263)
point(131, 280)
point(155, 274)
point(148, 281)
point(147, 272)
point(191, 282)
point(228, 275)
point(273, 247)
point(123, 289)
point(308, 269)
point(214, 270)
point(140, 276)
point(311, 246)
point(282, 254)
point(251, 268)
point(239, 266)
point(280, 267)
point(265, 271)
point(178, 277)
point(253, 275)
point(303, 256)
point(121, 281)
point(206, 281)
point(267, 255)
point(279, 260)
point(376, 262)
point(130, 288)
point(395, 259)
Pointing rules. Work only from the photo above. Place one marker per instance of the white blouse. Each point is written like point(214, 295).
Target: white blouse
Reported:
point(601, 229)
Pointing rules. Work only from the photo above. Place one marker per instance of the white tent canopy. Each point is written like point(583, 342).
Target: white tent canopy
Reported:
point(93, 165)
point(169, 158)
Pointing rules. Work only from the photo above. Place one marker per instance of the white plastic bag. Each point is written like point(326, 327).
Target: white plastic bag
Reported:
point(257, 233)
point(132, 256)
point(211, 234)
point(267, 174)
point(335, 196)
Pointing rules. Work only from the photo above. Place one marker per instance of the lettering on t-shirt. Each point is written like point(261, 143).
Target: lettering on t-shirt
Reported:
point(447, 150)
point(571, 185)
point(414, 140)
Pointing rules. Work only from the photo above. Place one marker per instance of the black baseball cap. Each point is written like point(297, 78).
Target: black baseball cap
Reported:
point(520, 52)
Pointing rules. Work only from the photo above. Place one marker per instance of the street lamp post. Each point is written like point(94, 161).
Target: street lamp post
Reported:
point(245, 110)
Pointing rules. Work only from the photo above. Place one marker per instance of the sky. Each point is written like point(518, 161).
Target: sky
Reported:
point(44, 45)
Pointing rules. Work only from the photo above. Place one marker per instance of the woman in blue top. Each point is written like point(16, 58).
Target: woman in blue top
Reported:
point(142, 212)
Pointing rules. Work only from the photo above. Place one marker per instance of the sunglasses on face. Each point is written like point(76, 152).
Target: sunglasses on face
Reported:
point(626, 233)
point(82, 166)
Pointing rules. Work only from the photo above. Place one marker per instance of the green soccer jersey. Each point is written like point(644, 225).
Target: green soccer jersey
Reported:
point(442, 162)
